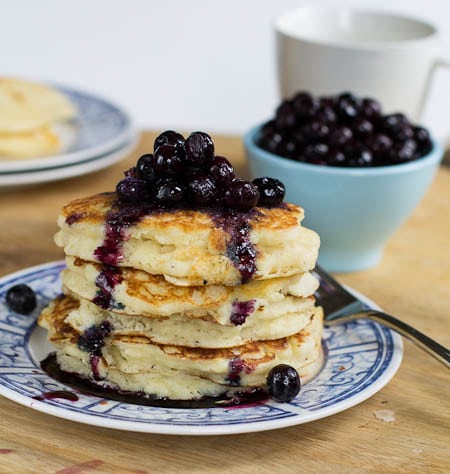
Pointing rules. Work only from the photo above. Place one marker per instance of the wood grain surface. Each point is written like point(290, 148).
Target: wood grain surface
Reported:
point(412, 282)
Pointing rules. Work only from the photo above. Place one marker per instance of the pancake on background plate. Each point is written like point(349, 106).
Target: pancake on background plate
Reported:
point(187, 283)
point(29, 113)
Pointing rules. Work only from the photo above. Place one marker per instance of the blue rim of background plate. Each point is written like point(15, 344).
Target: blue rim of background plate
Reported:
point(101, 126)
point(361, 357)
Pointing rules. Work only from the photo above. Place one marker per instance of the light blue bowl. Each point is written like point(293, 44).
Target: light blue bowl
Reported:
point(354, 210)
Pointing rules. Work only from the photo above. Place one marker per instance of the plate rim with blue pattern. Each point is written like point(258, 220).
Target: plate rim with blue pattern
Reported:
point(100, 126)
point(361, 359)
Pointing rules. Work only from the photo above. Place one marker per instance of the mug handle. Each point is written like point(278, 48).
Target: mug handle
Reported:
point(438, 63)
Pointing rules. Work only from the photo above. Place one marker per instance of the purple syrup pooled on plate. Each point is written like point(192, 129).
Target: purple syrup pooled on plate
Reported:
point(89, 387)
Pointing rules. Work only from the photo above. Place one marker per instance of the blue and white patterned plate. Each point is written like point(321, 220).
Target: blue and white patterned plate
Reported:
point(361, 358)
point(99, 127)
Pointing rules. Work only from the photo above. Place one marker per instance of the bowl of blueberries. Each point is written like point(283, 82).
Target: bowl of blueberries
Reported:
point(357, 172)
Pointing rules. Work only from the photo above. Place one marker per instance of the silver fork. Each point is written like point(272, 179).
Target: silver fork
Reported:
point(340, 306)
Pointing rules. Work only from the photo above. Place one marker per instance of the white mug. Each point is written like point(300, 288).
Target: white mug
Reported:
point(388, 57)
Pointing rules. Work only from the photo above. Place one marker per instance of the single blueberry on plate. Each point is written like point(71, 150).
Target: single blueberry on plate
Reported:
point(21, 299)
point(283, 383)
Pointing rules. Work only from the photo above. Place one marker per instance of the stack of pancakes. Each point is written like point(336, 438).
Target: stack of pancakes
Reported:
point(184, 304)
point(29, 115)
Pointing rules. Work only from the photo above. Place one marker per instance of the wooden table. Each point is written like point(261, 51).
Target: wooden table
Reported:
point(412, 282)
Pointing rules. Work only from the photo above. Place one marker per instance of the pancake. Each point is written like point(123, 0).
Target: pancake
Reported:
point(190, 247)
point(179, 329)
point(135, 363)
point(134, 292)
point(40, 142)
point(28, 107)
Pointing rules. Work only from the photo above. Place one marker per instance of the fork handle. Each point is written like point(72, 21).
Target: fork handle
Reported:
point(429, 345)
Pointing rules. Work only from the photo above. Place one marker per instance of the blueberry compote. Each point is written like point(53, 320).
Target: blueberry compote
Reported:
point(235, 367)
point(185, 174)
point(92, 341)
point(63, 394)
point(118, 220)
point(179, 174)
point(240, 311)
point(106, 281)
point(344, 131)
point(84, 385)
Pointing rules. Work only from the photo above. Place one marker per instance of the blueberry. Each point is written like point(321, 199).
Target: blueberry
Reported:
point(285, 118)
point(283, 383)
point(93, 338)
point(167, 160)
point(169, 137)
point(203, 190)
point(222, 171)
point(423, 140)
point(370, 109)
point(358, 155)
point(131, 190)
point(21, 299)
point(304, 106)
point(403, 132)
point(362, 127)
point(327, 101)
point(289, 148)
point(272, 143)
point(269, 128)
point(348, 106)
point(390, 124)
point(336, 158)
point(403, 152)
point(271, 191)
point(316, 153)
point(241, 195)
point(131, 172)
point(379, 144)
point(325, 114)
point(316, 131)
point(145, 170)
point(339, 136)
point(169, 191)
point(300, 136)
point(199, 149)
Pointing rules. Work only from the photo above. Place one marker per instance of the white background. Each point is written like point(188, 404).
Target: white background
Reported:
point(192, 64)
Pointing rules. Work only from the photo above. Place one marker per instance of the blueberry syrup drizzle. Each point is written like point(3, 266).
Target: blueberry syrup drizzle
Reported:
point(106, 281)
point(63, 394)
point(88, 387)
point(118, 220)
point(240, 249)
point(235, 367)
point(94, 360)
point(241, 310)
point(75, 217)
point(92, 341)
